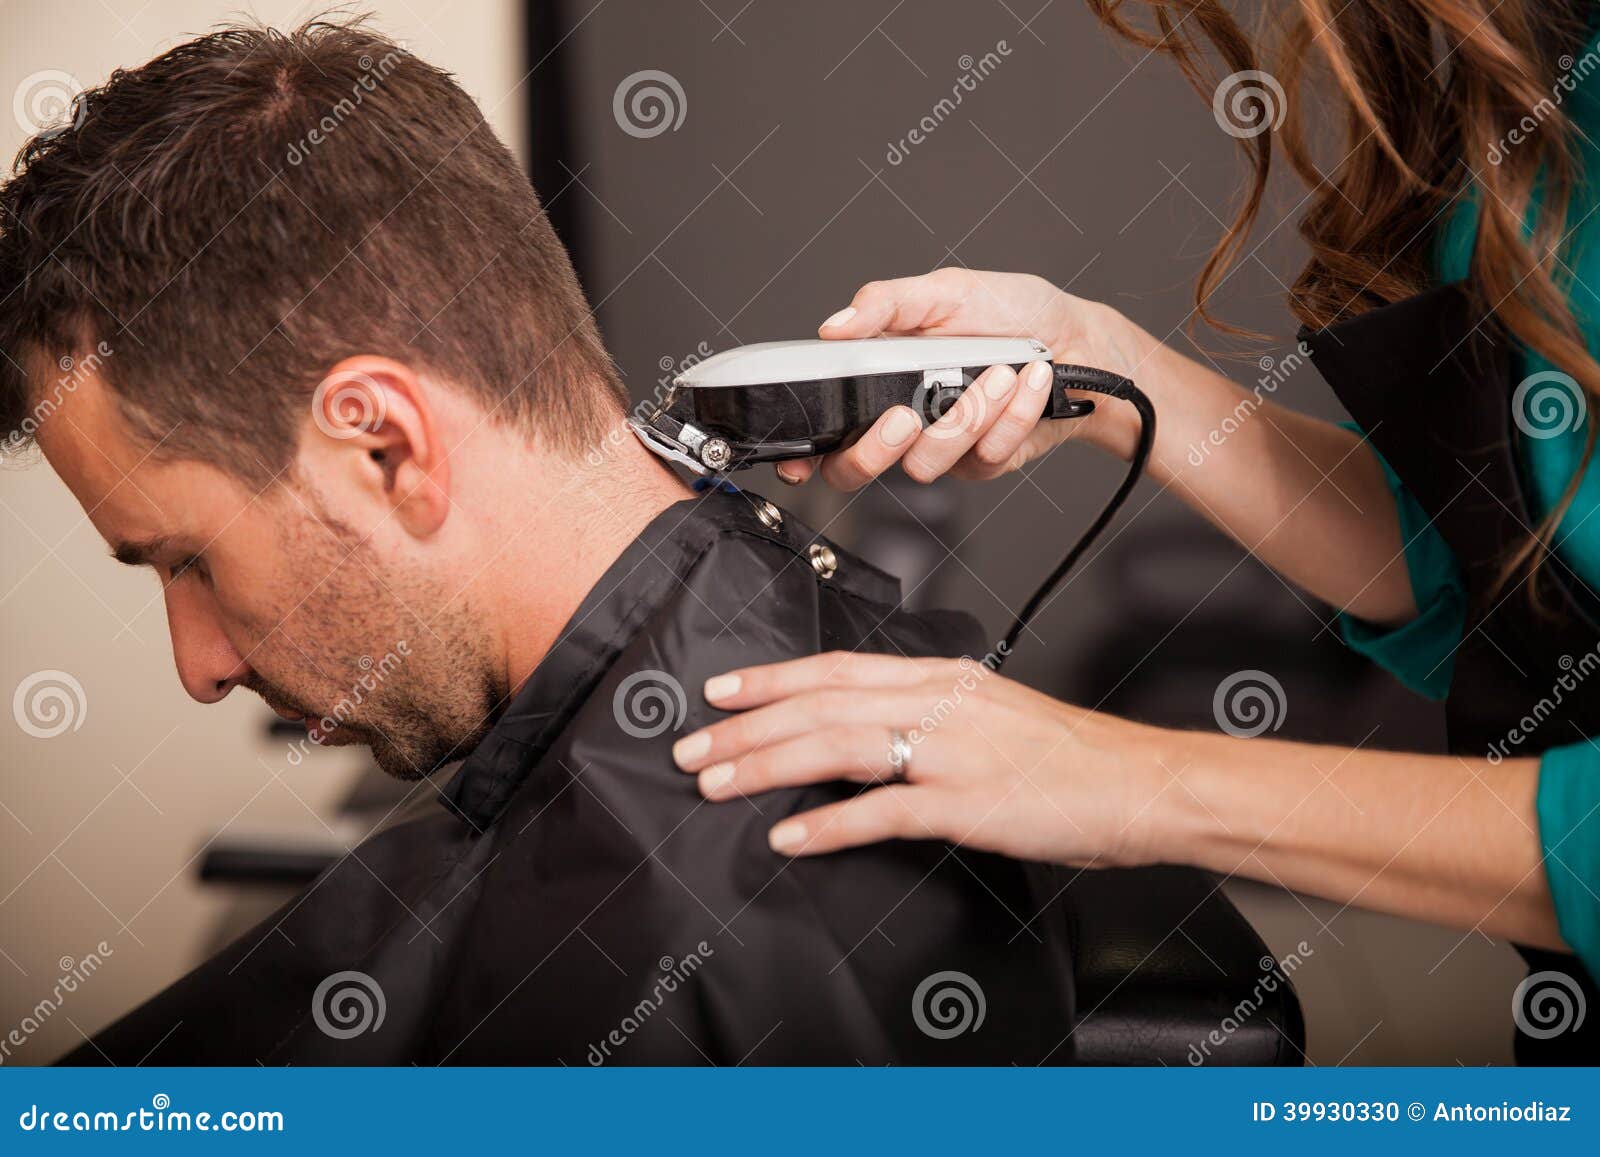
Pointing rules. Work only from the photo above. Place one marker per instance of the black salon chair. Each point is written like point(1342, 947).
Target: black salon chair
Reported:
point(1169, 972)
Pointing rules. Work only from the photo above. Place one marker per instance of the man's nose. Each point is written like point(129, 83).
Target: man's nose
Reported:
point(208, 664)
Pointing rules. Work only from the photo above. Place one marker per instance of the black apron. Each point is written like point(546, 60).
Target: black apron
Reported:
point(1430, 380)
point(575, 901)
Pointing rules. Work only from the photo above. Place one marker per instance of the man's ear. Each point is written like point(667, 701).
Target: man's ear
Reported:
point(375, 436)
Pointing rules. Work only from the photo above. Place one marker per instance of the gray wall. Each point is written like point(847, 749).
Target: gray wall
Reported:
point(1082, 160)
point(1071, 159)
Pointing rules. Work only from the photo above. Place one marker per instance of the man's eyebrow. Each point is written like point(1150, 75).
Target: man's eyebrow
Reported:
point(140, 552)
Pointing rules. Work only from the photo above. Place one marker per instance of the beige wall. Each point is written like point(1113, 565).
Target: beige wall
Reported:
point(100, 826)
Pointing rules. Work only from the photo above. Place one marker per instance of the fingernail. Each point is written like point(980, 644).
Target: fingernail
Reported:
point(788, 479)
point(900, 426)
point(1039, 375)
point(714, 778)
point(690, 748)
point(1000, 382)
point(721, 687)
point(787, 837)
point(840, 318)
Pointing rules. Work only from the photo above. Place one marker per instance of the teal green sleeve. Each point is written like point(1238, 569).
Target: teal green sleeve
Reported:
point(1421, 653)
point(1569, 828)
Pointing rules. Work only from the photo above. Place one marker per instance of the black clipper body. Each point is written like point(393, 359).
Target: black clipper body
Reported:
point(780, 400)
point(798, 399)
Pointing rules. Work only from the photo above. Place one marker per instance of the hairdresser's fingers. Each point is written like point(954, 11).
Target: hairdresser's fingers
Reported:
point(859, 754)
point(997, 448)
point(753, 686)
point(884, 813)
point(947, 441)
point(874, 452)
point(902, 305)
point(800, 715)
point(796, 470)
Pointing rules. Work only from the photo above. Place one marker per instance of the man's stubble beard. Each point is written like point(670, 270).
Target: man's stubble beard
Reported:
point(449, 703)
point(432, 696)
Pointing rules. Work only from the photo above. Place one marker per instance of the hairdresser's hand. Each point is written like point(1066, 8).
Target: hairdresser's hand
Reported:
point(995, 427)
point(994, 765)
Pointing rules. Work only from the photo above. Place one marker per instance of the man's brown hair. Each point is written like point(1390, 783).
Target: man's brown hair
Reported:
point(219, 227)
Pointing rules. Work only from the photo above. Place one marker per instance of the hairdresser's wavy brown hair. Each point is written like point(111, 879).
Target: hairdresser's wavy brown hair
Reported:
point(1424, 95)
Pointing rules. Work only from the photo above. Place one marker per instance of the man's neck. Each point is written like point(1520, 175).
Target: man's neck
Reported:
point(583, 526)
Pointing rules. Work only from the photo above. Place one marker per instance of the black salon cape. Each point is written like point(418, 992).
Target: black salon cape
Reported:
point(577, 902)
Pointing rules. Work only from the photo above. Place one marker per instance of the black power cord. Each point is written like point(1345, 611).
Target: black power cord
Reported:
point(1113, 386)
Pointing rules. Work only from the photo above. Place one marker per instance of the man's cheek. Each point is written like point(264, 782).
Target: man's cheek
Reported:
point(240, 603)
point(265, 613)
point(278, 652)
